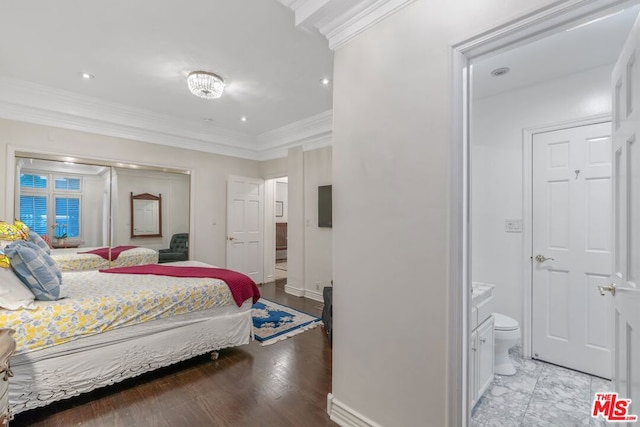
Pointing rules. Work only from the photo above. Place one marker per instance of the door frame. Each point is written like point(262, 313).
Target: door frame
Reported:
point(523, 29)
point(527, 218)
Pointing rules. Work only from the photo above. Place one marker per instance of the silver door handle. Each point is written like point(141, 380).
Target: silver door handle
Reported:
point(542, 258)
point(611, 288)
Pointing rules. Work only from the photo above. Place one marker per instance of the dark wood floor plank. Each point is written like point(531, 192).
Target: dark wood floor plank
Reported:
point(284, 384)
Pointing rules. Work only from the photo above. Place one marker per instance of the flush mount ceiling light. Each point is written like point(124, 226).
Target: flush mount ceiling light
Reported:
point(205, 85)
point(500, 71)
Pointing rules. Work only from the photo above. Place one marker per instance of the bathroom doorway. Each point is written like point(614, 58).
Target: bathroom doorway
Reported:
point(505, 111)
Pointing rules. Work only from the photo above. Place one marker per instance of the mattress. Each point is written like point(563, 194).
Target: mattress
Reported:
point(98, 302)
point(70, 260)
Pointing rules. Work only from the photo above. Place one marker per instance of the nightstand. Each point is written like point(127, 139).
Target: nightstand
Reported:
point(7, 347)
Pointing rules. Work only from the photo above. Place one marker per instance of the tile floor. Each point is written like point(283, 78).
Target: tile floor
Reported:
point(539, 394)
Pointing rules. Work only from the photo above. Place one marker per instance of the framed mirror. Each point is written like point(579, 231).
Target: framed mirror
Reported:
point(146, 215)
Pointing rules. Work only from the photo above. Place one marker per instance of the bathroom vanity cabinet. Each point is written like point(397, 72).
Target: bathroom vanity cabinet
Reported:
point(481, 346)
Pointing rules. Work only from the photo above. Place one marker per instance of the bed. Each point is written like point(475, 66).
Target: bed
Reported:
point(69, 259)
point(115, 326)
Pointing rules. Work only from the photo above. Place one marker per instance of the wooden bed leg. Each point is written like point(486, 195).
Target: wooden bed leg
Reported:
point(214, 355)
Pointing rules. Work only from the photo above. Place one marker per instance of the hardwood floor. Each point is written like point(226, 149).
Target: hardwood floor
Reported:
point(284, 384)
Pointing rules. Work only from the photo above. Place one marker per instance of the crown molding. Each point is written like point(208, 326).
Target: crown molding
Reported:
point(312, 132)
point(28, 102)
point(342, 20)
point(33, 103)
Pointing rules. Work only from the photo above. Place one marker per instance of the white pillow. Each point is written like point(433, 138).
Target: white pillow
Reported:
point(14, 295)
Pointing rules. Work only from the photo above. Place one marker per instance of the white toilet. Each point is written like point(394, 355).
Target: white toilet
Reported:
point(507, 334)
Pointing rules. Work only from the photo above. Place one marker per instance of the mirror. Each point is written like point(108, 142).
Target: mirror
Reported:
point(99, 214)
point(146, 215)
point(68, 202)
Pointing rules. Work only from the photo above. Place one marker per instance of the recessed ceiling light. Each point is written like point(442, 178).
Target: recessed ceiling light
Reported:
point(87, 76)
point(208, 119)
point(243, 118)
point(325, 81)
point(500, 71)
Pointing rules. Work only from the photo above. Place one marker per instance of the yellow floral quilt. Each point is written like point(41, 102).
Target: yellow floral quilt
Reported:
point(98, 302)
point(71, 260)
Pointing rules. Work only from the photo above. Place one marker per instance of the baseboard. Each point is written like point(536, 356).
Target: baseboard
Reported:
point(344, 416)
point(292, 290)
point(314, 295)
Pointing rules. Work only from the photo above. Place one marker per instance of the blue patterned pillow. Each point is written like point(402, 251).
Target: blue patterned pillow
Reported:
point(36, 269)
point(35, 238)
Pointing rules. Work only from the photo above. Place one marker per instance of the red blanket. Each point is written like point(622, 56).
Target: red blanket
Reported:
point(241, 286)
point(104, 252)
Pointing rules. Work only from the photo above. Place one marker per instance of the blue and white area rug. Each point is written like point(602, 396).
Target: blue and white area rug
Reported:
point(274, 322)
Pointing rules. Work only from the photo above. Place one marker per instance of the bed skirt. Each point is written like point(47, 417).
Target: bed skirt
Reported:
point(45, 376)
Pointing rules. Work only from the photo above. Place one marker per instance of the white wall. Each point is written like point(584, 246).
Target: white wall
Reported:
point(391, 142)
point(309, 247)
point(209, 173)
point(496, 170)
point(318, 271)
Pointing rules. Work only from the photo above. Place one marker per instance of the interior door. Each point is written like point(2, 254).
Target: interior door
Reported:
point(624, 289)
point(245, 223)
point(572, 246)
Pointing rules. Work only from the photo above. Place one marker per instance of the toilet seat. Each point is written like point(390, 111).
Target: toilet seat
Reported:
point(504, 323)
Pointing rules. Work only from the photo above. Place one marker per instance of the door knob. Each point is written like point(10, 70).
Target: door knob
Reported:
point(231, 238)
point(542, 258)
point(611, 288)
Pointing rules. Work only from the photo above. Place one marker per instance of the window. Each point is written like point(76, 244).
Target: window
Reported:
point(68, 215)
point(33, 181)
point(66, 183)
point(51, 209)
point(33, 212)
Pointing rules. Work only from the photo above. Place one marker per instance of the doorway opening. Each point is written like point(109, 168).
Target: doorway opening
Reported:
point(499, 113)
point(281, 230)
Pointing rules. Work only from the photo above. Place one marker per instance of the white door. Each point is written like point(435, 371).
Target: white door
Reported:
point(626, 258)
point(245, 222)
point(571, 247)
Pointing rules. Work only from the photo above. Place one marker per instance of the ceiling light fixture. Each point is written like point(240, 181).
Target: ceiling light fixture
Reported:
point(325, 81)
point(243, 118)
point(87, 76)
point(205, 85)
point(500, 71)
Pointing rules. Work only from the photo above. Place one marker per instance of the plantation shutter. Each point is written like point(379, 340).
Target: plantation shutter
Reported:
point(68, 213)
point(33, 212)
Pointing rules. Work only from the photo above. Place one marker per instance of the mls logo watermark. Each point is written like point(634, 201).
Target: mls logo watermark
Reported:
point(613, 409)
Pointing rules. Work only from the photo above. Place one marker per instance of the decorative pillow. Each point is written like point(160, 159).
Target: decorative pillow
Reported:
point(47, 241)
point(9, 232)
point(4, 259)
point(14, 295)
point(23, 228)
point(36, 269)
point(35, 238)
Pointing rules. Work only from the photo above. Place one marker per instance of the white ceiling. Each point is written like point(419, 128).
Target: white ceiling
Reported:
point(141, 52)
point(271, 53)
point(558, 55)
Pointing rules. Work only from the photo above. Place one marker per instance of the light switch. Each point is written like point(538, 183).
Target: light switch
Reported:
point(512, 225)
